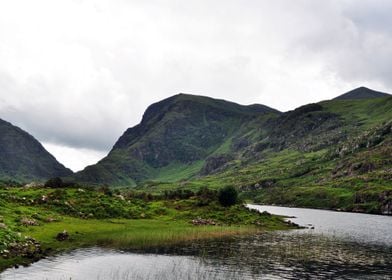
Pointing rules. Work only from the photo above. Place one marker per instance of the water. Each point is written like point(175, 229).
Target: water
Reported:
point(341, 246)
point(362, 228)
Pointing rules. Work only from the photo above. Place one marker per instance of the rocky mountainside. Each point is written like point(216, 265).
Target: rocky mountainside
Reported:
point(335, 154)
point(196, 138)
point(23, 158)
point(173, 140)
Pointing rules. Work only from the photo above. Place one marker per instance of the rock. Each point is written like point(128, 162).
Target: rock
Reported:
point(203, 222)
point(29, 248)
point(62, 236)
point(215, 163)
point(32, 185)
point(3, 226)
point(28, 222)
point(50, 220)
point(119, 196)
point(385, 199)
point(265, 213)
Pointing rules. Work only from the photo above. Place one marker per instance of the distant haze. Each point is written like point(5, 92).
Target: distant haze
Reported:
point(75, 74)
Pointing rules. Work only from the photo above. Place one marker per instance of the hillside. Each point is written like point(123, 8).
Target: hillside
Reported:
point(331, 154)
point(23, 158)
point(361, 93)
point(335, 154)
point(174, 140)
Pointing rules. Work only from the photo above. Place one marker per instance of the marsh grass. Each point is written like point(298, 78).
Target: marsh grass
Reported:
point(131, 223)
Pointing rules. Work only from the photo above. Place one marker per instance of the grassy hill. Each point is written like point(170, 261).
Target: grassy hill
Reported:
point(334, 154)
point(174, 140)
point(23, 158)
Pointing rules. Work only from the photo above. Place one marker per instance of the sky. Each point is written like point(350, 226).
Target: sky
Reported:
point(75, 74)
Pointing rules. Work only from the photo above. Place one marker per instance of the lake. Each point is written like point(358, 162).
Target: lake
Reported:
point(340, 246)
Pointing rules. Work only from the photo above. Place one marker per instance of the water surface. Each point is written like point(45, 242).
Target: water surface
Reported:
point(341, 246)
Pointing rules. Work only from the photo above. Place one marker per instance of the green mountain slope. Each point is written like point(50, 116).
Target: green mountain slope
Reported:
point(334, 154)
point(361, 93)
point(173, 140)
point(23, 158)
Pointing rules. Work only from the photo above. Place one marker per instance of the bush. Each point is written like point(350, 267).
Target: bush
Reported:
point(228, 196)
point(54, 183)
point(59, 183)
point(205, 196)
point(105, 189)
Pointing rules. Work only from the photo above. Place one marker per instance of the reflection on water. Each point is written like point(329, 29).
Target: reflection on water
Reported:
point(327, 252)
point(363, 228)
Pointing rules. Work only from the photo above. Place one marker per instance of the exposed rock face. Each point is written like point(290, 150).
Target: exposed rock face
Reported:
point(368, 139)
point(215, 164)
point(260, 185)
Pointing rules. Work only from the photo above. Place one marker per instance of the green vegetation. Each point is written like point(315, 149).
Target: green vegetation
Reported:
point(334, 155)
point(23, 158)
point(32, 218)
point(228, 196)
point(173, 141)
point(353, 176)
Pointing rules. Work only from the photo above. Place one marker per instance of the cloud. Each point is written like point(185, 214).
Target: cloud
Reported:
point(77, 73)
point(75, 158)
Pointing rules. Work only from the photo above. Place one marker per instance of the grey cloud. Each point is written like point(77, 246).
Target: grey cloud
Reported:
point(81, 83)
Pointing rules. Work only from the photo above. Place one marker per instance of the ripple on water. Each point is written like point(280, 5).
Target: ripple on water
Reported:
point(327, 252)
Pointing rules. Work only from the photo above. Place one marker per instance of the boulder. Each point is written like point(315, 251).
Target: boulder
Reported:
point(62, 236)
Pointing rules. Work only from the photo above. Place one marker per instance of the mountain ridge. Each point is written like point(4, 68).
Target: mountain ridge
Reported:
point(361, 93)
point(182, 129)
point(23, 157)
point(197, 135)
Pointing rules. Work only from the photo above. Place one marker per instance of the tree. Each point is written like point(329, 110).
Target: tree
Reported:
point(54, 183)
point(228, 196)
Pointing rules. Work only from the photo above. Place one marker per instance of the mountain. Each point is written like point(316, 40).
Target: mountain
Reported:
point(174, 139)
point(361, 93)
point(334, 154)
point(23, 158)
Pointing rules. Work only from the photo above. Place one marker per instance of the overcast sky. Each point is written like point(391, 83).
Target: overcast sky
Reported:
point(75, 74)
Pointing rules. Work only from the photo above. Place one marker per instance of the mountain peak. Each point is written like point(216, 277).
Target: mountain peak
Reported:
point(181, 130)
point(23, 158)
point(361, 93)
point(199, 102)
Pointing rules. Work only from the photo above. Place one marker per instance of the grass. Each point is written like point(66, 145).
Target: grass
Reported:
point(311, 179)
point(178, 171)
point(128, 234)
point(126, 221)
point(367, 112)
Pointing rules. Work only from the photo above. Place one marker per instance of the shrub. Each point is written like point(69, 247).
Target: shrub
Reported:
point(228, 196)
point(54, 183)
point(205, 196)
point(105, 189)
